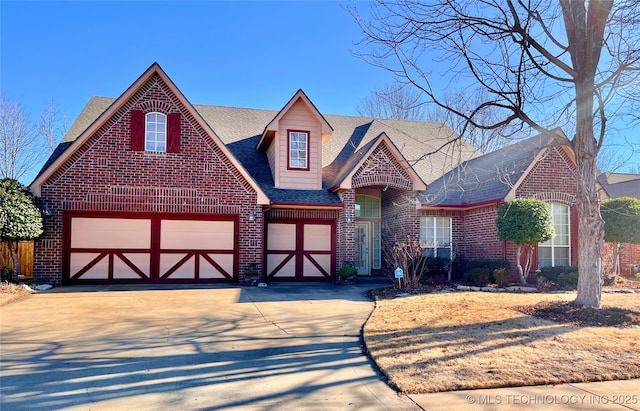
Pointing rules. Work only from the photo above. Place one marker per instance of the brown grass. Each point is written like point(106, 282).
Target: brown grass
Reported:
point(11, 292)
point(442, 342)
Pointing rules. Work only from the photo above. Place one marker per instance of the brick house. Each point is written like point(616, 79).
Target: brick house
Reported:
point(150, 188)
point(615, 185)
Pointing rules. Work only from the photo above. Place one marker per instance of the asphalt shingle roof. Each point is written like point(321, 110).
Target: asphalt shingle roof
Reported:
point(240, 130)
point(485, 178)
point(620, 185)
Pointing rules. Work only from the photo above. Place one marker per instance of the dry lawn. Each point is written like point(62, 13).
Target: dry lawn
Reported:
point(11, 292)
point(443, 342)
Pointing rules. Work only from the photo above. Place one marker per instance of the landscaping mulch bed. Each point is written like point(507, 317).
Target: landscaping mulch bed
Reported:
point(563, 312)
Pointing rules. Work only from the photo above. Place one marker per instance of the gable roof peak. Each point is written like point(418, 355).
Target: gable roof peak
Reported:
point(58, 158)
point(272, 127)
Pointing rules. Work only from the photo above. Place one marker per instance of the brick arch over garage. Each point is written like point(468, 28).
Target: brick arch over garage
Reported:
point(382, 169)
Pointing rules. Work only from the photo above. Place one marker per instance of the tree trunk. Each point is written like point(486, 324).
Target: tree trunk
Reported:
point(616, 259)
point(523, 280)
point(15, 259)
point(585, 32)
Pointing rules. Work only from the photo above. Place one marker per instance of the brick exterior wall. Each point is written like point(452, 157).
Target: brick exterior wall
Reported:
point(399, 219)
point(629, 257)
point(480, 234)
point(382, 169)
point(551, 179)
point(346, 233)
point(106, 175)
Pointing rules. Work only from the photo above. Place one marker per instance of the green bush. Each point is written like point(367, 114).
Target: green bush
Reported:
point(490, 263)
point(478, 276)
point(637, 276)
point(347, 271)
point(562, 277)
point(568, 280)
point(6, 275)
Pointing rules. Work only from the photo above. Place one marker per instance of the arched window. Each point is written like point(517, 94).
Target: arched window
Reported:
point(155, 132)
point(557, 251)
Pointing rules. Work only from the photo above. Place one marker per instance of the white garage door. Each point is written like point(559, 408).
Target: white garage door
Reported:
point(143, 248)
point(300, 250)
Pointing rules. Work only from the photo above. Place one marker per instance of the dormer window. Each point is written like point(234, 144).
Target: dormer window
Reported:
point(155, 132)
point(298, 150)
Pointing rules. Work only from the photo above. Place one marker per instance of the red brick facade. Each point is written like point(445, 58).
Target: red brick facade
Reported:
point(629, 258)
point(106, 175)
point(475, 234)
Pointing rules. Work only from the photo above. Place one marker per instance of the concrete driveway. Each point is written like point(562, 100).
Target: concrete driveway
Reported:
point(287, 346)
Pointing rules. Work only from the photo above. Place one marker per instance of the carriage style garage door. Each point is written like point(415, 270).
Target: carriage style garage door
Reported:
point(156, 248)
point(300, 250)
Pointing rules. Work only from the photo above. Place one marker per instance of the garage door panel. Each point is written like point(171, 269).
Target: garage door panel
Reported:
point(80, 260)
point(281, 236)
point(300, 250)
point(90, 266)
point(318, 265)
point(182, 268)
point(110, 233)
point(122, 270)
point(197, 235)
point(317, 237)
point(152, 248)
point(281, 265)
point(222, 262)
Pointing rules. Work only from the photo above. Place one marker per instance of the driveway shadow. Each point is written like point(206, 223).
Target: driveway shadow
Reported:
point(190, 349)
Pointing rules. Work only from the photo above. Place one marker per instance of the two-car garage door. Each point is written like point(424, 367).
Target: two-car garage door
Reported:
point(150, 248)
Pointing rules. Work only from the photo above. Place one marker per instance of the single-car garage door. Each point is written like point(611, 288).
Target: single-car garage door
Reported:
point(132, 248)
point(300, 250)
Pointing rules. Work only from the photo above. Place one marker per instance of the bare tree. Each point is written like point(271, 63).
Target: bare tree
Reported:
point(540, 64)
point(53, 125)
point(618, 157)
point(21, 149)
point(403, 102)
point(485, 140)
point(395, 101)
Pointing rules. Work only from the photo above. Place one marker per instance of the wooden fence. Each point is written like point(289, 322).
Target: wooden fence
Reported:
point(25, 253)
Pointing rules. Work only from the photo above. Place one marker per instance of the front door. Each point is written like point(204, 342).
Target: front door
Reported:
point(363, 239)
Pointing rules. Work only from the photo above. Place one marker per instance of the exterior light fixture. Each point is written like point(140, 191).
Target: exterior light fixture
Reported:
point(349, 218)
point(46, 211)
point(252, 216)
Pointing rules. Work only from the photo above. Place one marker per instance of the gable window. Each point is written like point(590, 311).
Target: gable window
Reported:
point(155, 132)
point(557, 251)
point(435, 236)
point(299, 150)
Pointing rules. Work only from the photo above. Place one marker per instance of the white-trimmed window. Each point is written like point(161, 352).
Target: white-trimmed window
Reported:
point(557, 251)
point(435, 235)
point(299, 150)
point(155, 132)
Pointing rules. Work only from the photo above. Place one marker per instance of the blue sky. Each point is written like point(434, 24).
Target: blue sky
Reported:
point(244, 54)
